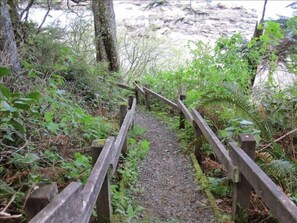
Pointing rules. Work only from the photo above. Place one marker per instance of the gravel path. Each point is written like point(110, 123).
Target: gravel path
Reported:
point(169, 191)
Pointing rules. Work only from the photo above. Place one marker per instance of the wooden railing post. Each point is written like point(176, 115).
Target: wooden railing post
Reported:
point(39, 198)
point(122, 115)
point(242, 190)
point(103, 203)
point(137, 94)
point(147, 99)
point(182, 117)
point(130, 101)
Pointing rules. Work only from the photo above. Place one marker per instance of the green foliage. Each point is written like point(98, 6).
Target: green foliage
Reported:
point(244, 108)
point(63, 116)
point(122, 193)
point(13, 106)
point(284, 172)
point(292, 25)
point(279, 107)
point(79, 168)
point(220, 186)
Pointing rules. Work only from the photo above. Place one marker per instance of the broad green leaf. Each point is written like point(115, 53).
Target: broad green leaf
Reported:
point(34, 95)
point(21, 105)
point(4, 91)
point(61, 92)
point(17, 125)
point(4, 71)
point(53, 127)
point(245, 122)
point(7, 107)
point(48, 116)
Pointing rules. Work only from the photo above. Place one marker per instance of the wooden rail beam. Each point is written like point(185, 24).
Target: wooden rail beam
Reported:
point(122, 115)
point(139, 88)
point(182, 116)
point(120, 140)
point(218, 148)
point(64, 208)
point(132, 111)
point(93, 187)
point(118, 84)
point(163, 99)
point(276, 200)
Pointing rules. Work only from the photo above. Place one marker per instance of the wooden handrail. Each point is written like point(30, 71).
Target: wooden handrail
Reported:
point(163, 99)
point(122, 136)
point(276, 200)
point(124, 86)
point(93, 186)
point(139, 88)
point(185, 110)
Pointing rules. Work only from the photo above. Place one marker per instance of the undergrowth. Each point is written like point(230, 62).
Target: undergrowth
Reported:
point(125, 207)
point(49, 116)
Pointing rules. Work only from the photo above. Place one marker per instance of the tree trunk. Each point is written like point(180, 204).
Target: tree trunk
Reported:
point(8, 49)
point(105, 33)
point(257, 34)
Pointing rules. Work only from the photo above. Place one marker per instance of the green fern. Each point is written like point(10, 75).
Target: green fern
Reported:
point(284, 172)
point(242, 104)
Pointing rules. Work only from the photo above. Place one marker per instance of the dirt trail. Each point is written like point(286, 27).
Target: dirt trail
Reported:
point(169, 191)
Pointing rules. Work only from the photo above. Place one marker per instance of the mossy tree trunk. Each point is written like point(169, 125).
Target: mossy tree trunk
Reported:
point(105, 33)
point(8, 49)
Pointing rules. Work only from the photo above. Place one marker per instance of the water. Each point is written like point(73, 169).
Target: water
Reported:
point(274, 9)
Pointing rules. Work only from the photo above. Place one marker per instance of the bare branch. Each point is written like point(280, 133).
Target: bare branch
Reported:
point(46, 14)
point(278, 139)
point(26, 10)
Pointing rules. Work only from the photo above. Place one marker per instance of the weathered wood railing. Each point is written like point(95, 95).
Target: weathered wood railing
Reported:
point(76, 202)
point(238, 162)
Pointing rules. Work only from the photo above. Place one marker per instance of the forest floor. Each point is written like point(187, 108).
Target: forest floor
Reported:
point(169, 192)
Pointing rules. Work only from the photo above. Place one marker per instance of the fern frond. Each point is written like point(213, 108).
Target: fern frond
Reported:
point(241, 103)
point(285, 172)
point(264, 156)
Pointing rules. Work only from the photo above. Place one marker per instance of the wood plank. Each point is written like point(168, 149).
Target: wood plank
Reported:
point(274, 198)
point(120, 141)
point(139, 88)
point(64, 208)
point(103, 203)
point(163, 99)
point(122, 115)
point(185, 110)
point(95, 181)
point(132, 111)
point(218, 148)
point(124, 86)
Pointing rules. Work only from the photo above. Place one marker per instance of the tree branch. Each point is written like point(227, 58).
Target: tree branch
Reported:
point(278, 139)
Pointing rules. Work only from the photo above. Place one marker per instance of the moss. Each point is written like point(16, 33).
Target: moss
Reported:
point(98, 143)
point(204, 184)
point(123, 103)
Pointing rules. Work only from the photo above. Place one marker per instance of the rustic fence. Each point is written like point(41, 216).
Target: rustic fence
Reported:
point(76, 202)
point(238, 160)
